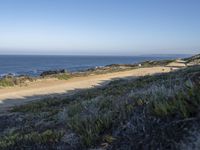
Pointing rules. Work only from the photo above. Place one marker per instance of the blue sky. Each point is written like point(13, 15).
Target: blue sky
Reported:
point(99, 27)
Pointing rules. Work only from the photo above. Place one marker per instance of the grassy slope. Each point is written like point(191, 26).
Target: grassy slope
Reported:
point(153, 112)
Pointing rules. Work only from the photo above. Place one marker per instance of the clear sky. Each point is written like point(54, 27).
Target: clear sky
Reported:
point(99, 27)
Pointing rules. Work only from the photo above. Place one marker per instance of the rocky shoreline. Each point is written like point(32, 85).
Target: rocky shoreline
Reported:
point(11, 79)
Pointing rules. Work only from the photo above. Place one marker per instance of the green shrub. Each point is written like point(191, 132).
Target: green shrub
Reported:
point(90, 127)
point(184, 103)
point(5, 82)
point(40, 106)
point(45, 137)
point(63, 76)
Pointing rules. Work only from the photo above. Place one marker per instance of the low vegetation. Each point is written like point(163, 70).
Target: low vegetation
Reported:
point(8, 81)
point(193, 60)
point(151, 112)
point(33, 138)
point(156, 63)
point(62, 76)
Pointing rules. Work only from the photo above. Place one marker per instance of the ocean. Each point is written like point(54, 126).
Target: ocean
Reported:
point(34, 65)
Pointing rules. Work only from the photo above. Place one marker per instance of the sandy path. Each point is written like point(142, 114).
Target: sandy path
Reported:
point(36, 90)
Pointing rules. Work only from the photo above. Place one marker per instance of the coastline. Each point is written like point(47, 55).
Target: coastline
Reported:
point(36, 64)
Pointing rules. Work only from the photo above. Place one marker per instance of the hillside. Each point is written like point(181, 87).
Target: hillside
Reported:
point(194, 60)
point(151, 112)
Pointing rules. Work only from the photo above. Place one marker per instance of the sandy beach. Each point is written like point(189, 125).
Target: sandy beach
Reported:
point(39, 89)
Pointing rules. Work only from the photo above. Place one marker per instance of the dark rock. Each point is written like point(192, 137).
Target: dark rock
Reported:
point(52, 72)
point(9, 75)
point(121, 65)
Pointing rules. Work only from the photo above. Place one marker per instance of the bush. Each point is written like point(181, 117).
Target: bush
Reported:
point(5, 82)
point(16, 139)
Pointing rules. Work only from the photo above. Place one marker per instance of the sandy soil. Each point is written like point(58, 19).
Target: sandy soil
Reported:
point(49, 87)
point(177, 63)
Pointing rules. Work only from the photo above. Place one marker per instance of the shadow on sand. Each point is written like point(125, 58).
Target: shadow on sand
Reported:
point(7, 104)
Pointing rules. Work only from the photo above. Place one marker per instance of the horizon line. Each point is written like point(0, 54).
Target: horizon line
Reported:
point(96, 55)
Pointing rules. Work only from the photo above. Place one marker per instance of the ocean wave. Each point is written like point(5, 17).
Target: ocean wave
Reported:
point(8, 74)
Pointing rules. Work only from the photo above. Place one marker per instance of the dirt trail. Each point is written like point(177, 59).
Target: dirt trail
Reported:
point(36, 90)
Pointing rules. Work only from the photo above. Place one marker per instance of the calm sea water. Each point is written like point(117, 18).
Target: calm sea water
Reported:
point(34, 65)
